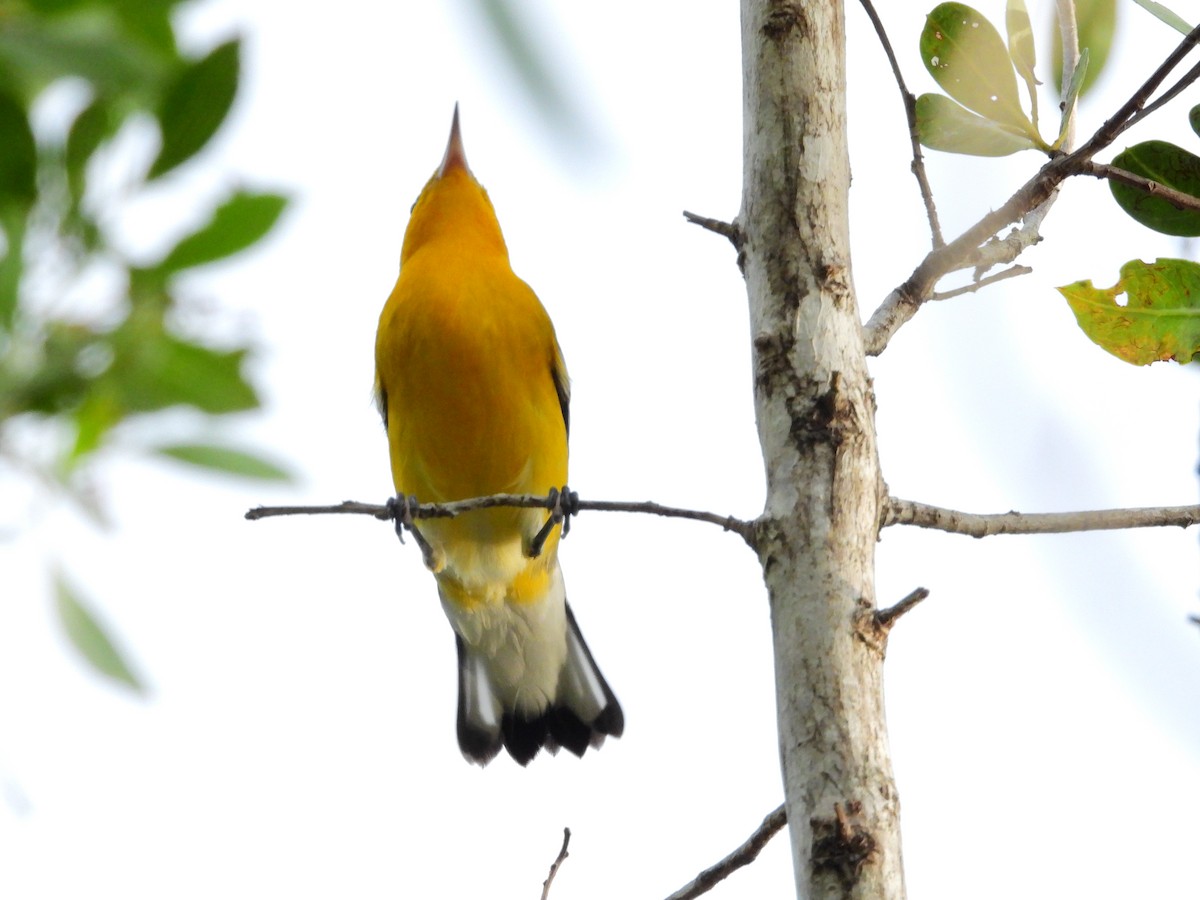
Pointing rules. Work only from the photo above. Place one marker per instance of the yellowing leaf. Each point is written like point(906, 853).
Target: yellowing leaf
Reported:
point(967, 57)
point(944, 125)
point(1160, 318)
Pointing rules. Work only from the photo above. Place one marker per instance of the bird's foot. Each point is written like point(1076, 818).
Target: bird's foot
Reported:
point(401, 508)
point(563, 505)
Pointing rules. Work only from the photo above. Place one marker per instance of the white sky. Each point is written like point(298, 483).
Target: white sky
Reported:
point(299, 737)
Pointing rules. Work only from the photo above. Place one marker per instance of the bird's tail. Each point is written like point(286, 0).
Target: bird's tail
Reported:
point(580, 715)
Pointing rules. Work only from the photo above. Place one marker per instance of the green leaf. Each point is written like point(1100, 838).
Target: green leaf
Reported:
point(1020, 46)
point(1194, 119)
point(89, 129)
point(1097, 21)
point(966, 56)
point(96, 416)
point(89, 637)
point(35, 52)
point(225, 459)
point(240, 221)
point(515, 30)
point(165, 371)
point(12, 264)
point(1068, 105)
point(149, 21)
point(944, 125)
point(1167, 164)
point(1163, 14)
point(1159, 320)
point(18, 154)
point(196, 105)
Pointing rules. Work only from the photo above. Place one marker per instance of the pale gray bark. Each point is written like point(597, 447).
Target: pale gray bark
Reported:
point(815, 415)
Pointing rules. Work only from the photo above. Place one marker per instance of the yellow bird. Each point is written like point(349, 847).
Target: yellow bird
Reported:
point(473, 391)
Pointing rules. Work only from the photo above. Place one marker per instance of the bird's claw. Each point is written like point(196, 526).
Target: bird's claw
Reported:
point(401, 508)
point(563, 504)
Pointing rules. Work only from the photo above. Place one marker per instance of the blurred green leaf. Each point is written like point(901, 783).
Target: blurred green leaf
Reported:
point(1159, 320)
point(515, 35)
point(89, 637)
point(149, 21)
point(1097, 21)
point(55, 7)
point(1166, 164)
point(965, 55)
point(195, 106)
point(96, 416)
point(1194, 119)
point(88, 44)
point(18, 154)
point(89, 129)
point(237, 223)
point(944, 125)
point(161, 371)
point(1163, 14)
point(12, 263)
point(228, 460)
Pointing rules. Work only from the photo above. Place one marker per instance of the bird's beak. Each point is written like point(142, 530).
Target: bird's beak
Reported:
point(456, 154)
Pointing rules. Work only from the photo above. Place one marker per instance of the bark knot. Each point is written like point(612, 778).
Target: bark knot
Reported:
point(822, 414)
point(783, 19)
point(842, 845)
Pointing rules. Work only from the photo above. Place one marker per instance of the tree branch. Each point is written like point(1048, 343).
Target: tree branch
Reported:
point(982, 283)
point(966, 250)
point(909, 512)
point(742, 856)
point(910, 113)
point(1178, 199)
point(744, 529)
point(886, 618)
point(558, 861)
point(727, 230)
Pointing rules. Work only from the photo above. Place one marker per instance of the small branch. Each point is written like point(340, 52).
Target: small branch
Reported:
point(982, 283)
point(910, 113)
point(1178, 199)
point(742, 856)
point(558, 861)
point(741, 527)
point(1028, 203)
point(1170, 94)
point(908, 512)
point(886, 618)
point(727, 230)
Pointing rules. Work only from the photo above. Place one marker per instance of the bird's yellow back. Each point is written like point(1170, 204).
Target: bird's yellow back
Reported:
point(473, 391)
point(471, 381)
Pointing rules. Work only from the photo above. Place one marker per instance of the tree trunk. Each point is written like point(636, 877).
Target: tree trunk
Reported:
point(815, 414)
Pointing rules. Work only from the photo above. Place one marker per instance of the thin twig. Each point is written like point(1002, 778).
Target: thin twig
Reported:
point(910, 113)
point(727, 230)
point(1135, 109)
point(742, 856)
point(909, 512)
point(964, 251)
point(886, 618)
point(1178, 199)
point(558, 861)
point(740, 527)
point(982, 283)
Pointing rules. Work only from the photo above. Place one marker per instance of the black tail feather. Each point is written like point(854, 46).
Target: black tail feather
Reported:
point(523, 736)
